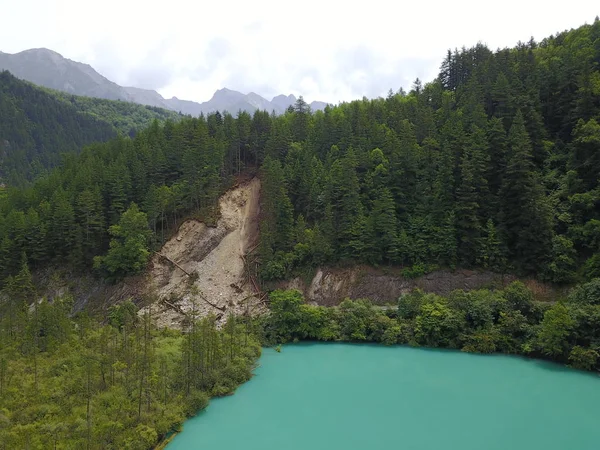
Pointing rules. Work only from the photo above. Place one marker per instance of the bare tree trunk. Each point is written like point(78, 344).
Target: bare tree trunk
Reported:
point(88, 407)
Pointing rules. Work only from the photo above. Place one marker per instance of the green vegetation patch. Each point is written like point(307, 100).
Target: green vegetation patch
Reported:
point(483, 321)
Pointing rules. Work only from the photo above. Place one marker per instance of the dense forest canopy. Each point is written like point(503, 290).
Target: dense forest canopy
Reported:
point(494, 164)
point(126, 117)
point(39, 125)
point(36, 129)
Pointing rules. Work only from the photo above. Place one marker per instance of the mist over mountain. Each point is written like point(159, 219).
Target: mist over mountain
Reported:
point(48, 68)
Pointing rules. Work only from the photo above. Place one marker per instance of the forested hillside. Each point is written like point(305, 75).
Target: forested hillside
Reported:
point(126, 117)
point(36, 129)
point(494, 164)
point(38, 125)
point(129, 190)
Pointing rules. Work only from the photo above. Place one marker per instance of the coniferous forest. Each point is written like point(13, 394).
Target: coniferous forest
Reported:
point(36, 129)
point(39, 125)
point(493, 165)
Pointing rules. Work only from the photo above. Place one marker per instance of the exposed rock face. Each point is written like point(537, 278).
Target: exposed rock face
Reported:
point(330, 286)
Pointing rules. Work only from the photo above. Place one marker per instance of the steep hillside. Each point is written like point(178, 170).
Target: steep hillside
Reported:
point(198, 271)
point(47, 68)
point(330, 286)
point(492, 165)
point(40, 124)
point(126, 117)
point(129, 188)
point(214, 257)
point(201, 270)
point(36, 129)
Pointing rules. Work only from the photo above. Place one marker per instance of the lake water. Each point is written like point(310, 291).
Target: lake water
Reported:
point(367, 397)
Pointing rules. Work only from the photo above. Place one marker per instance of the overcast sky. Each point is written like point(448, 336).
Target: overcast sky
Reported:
point(325, 50)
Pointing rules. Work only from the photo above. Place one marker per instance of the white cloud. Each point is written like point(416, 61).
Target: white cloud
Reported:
point(325, 50)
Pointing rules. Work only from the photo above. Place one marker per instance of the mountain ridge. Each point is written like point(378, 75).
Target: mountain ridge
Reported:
point(48, 68)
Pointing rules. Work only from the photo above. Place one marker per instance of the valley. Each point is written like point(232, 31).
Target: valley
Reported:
point(153, 258)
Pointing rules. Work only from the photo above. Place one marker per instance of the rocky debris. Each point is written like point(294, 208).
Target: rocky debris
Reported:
point(201, 269)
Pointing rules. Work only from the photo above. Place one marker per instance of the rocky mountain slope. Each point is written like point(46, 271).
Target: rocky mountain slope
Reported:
point(50, 69)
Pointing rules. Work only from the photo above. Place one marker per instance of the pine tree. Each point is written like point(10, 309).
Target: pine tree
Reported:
point(63, 232)
point(277, 224)
point(384, 224)
point(472, 196)
point(526, 223)
point(117, 190)
point(491, 255)
point(497, 140)
point(300, 120)
point(36, 237)
point(360, 247)
point(91, 220)
point(586, 155)
point(279, 141)
point(344, 198)
point(502, 100)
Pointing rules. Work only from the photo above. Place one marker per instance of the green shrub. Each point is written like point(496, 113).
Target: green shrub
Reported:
point(583, 358)
point(196, 401)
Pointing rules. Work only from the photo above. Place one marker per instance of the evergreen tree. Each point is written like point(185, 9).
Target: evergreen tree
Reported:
point(344, 198)
point(63, 232)
point(128, 253)
point(472, 196)
point(277, 224)
point(384, 224)
point(526, 224)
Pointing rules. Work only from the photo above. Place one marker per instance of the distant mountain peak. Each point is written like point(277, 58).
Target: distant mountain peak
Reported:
point(48, 68)
point(284, 101)
point(40, 50)
point(43, 52)
point(286, 97)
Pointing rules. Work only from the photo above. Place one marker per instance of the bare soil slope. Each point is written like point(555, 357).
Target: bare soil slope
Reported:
point(213, 256)
point(330, 286)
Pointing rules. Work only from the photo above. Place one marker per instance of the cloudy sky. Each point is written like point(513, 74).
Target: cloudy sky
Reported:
point(326, 50)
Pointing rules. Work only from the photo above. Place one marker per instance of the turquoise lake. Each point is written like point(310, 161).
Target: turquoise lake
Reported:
point(351, 397)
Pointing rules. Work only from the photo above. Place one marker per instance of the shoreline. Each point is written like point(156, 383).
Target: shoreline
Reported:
point(163, 444)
